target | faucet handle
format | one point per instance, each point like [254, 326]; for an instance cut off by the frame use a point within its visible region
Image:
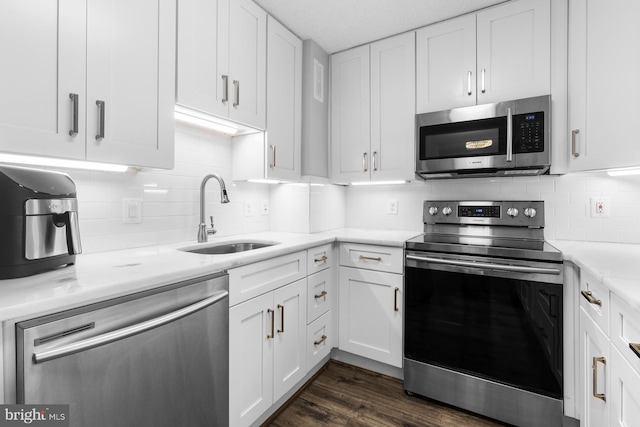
[211, 230]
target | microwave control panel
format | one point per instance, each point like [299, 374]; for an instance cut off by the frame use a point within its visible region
[528, 133]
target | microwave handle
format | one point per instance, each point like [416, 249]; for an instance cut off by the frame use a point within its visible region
[509, 135]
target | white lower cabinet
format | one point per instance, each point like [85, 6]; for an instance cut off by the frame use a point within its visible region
[594, 373]
[319, 339]
[267, 350]
[625, 392]
[370, 314]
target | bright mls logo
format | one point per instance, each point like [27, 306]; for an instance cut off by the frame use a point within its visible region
[34, 415]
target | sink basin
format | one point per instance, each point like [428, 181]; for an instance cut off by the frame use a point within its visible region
[227, 248]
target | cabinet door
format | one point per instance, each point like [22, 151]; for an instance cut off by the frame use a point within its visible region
[594, 373]
[251, 324]
[393, 88]
[247, 63]
[284, 103]
[370, 314]
[514, 51]
[43, 46]
[290, 351]
[603, 88]
[131, 69]
[625, 392]
[203, 56]
[446, 65]
[350, 115]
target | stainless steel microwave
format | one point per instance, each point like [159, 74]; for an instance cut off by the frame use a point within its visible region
[510, 138]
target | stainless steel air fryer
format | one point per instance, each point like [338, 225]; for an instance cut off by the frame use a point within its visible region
[38, 221]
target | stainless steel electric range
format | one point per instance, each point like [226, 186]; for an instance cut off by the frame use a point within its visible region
[483, 311]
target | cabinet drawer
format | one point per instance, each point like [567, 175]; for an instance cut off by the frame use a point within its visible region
[594, 298]
[255, 279]
[319, 258]
[625, 330]
[319, 294]
[319, 339]
[380, 258]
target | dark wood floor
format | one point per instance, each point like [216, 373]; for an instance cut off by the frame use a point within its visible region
[343, 395]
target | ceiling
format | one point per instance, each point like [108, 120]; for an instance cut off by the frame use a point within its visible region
[340, 24]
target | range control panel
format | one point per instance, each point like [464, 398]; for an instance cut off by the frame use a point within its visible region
[508, 213]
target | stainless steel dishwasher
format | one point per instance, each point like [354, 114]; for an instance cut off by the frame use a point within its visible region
[155, 358]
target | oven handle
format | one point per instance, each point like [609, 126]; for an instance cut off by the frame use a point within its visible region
[502, 267]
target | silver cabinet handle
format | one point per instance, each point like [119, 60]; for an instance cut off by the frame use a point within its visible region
[236, 83]
[501, 267]
[597, 395]
[119, 334]
[100, 134]
[273, 156]
[281, 308]
[574, 152]
[395, 299]
[321, 340]
[323, 258]
[375, 161]
[273, 321]
[589, 297]
[225, 88]
[364, 162]
[469, 74]
[368, 258]
[635, 348]
[74, 114]
[509, 135]
[482, 80]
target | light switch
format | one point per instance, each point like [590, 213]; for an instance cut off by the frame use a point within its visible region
[131, 211]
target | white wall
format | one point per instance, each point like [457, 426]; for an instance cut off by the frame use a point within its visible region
[170, 198]
[567, 203]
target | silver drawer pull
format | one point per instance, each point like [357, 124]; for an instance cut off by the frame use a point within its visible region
[321, 340]
[368, 258]
[597, 395]
[74, 114]
[589, 297]
[635, 348]
[323, 258]
[100, 135]
[320, 295]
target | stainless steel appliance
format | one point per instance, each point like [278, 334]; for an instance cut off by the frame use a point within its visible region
[155, 358]
[504, 139]
[38, 221]
[483, 311]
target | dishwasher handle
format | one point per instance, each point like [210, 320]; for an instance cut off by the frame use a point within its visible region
[128, 331]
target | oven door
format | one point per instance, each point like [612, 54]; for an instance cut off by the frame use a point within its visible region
[491, 318]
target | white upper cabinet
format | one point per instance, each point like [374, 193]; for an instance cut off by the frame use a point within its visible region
[284, 103]
[498, 54]
[89, 80]
[446, 64]
[131, 82]
[222, 59]
[603, 84]
[373, 111]
[43, 77]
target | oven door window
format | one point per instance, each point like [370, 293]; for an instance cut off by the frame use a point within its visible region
[504, 330]
[487, 137]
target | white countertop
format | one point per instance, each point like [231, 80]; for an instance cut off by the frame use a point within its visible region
[616, 265]
[100, 276]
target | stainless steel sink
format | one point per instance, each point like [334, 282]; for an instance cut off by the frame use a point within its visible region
[227, 248]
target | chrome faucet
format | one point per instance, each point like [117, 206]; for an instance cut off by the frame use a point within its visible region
[203, 231]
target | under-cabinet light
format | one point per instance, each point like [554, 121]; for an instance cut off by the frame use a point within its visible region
[202, 120]
[380, 182]
[264, 181]
[61, 163]
[624, 172]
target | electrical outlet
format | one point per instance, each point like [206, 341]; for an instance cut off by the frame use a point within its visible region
[131, 211]
[264, 207]
[600, 207]
[392, 207]
[248, 208]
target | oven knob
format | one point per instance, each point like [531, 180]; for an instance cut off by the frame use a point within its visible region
[446, 211]
[433, 210]
[512, 212]
[530, 212]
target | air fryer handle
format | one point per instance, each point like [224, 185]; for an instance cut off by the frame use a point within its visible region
[70, 219]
